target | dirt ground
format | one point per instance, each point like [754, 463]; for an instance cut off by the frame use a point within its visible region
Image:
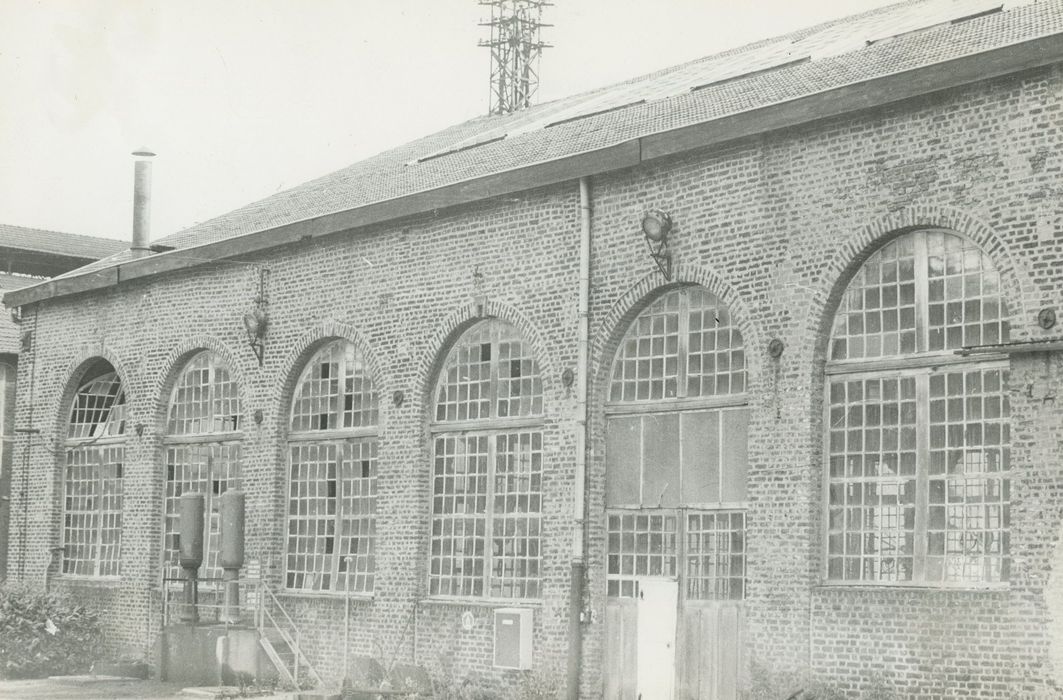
[48, 688]
[99, 688]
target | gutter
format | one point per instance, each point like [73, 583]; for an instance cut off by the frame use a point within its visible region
[833, 102]
[579, 511]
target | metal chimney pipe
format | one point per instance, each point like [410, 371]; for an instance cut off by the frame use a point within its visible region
[141, 202]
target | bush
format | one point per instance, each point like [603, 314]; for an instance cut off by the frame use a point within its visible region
[44, 634]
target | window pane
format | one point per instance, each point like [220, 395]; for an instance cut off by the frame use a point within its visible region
[646, 367]
[623, 444]
[716, 555]
[331, 516]
[335, 391]
[207, 468]
[515, 543]
[466, 391]
[651, 361]
[715, 352]
[872, 482]
[639, 545]
[701, 457]
[92, 479]
[734, 424]
[92, 510]
[963, 286]
[204, 398]
[99, 409]
[660, 461]
[356, 552]
[967, 524]
[876, 317]
[459, 510]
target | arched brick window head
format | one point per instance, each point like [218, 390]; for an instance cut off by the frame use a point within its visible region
[332, 460]
[676, 424]
[202, 444]
[487, 467]
[917, 436]
[92, 477]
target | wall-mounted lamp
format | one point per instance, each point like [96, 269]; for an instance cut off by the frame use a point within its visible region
[656, 225]
[255, 323]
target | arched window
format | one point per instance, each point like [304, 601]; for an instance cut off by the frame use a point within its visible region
[487, 467]
[916, 435]
[332, 474]
[92, 479]
[202, 452]
[676, 423]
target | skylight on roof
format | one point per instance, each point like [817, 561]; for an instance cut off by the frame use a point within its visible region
[463, 146]
[750, 74]
[604, 110]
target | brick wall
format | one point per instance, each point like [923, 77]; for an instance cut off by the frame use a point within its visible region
[773, 225]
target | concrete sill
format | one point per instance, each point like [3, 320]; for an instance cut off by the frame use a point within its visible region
[469, 602]
[333, 596]
[95, 582]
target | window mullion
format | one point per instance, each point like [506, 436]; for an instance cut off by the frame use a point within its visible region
[208, 505]
[209, 417]
[489, 508]
[492, 385]
[682, 346]
[922, 293]
[337, 521]
[97, 554]
[922, 460]
[681, 514]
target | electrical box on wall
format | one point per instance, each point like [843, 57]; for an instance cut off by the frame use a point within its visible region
[513, 638]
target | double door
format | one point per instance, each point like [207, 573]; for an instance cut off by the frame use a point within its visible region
[674, 618]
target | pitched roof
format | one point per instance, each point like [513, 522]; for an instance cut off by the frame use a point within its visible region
[72, 245]
[897, 40]
[9, 332]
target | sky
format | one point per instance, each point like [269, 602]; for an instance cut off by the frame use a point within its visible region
[244, 98]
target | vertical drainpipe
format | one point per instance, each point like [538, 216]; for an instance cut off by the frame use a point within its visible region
[141, 203]
[578, 506]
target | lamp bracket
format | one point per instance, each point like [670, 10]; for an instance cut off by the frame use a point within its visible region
[256, 321]
[662, 256]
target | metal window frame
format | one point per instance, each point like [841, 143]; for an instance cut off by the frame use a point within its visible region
[210, 439]
[102, 442]
[322, 437]
[682, 357]
[492, 426]
[920, 364]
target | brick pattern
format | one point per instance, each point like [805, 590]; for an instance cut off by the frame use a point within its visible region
[774, 227]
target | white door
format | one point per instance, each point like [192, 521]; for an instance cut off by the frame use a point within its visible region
[657, 603]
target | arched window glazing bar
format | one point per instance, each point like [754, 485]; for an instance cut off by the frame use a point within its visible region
[332, 471]
[918, 489]
[92, 477]
[487, 467]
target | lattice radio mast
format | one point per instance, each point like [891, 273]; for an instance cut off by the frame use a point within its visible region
[515, 49]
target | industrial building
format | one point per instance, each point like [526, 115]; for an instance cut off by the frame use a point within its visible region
[27, 256]
[741, 372]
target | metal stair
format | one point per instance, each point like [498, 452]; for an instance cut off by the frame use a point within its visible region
[279, 638]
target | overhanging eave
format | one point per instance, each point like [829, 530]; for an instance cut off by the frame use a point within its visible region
[833, 102]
